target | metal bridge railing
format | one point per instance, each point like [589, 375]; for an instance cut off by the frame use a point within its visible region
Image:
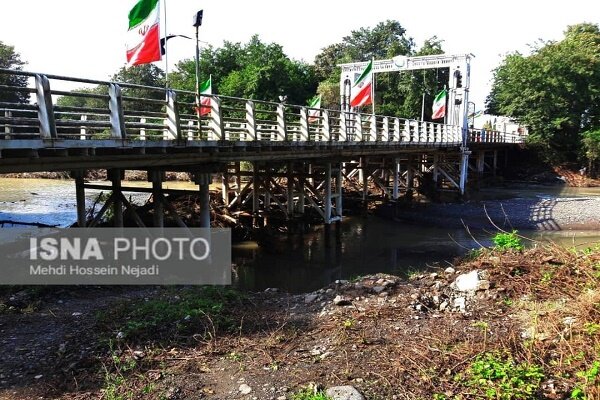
[123, 111]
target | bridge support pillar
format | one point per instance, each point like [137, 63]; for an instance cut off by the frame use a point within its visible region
[116, 176]
[157, 178]
[464, 169]
[410, 174]
[290, 190]
[495, 163]
[255, 194]
[225, 187]
[80, 197]
[480, 162]
[436, 172]
[332, 198]
[363, 177]
[203, 182]
[396, 179]
[301, 196]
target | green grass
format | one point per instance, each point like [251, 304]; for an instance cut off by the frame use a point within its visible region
[494, 376]
[588, 379]
[309, 394]
[179, 311]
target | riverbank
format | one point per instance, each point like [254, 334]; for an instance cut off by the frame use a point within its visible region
[543, 211]
[96, 175]
[517, 324]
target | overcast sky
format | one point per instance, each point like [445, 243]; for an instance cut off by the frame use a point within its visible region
[86, 38]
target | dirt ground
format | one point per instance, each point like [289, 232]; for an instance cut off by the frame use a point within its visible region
[533, 313]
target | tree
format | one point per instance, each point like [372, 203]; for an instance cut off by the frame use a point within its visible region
[397, 94]
[555, 91]
[148, 75]
[9, 59]
[71, 106]
[387, 39]
[253, 70]
[591, 146]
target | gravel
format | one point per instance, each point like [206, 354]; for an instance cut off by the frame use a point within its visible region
[549, 214]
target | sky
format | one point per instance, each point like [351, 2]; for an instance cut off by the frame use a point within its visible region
[85, 38]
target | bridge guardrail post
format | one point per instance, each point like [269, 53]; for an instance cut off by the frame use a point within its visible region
[419, 128]
[427, 132]
[358, 134]
[142, 130]
[373, 129]
[83, 129]
[304, 128]
[385, 130]
[117, 118]
[45, 107]
[190, 130]
[326, 126]
[396, 134]
[173, 121]
[343, 135]
[405, 131]
[251, 120]
[281, 131]
[7, 128]
[216, 119]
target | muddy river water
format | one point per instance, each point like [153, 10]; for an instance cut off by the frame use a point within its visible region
[299, 263]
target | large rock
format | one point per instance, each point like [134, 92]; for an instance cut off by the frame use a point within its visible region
[309, 298]
[467, 282]
[344, 393]
[341, 301]
[245, 389]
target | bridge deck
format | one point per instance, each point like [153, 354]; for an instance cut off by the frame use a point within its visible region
[120, 125]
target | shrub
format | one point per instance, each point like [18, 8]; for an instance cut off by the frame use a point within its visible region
[507, 241]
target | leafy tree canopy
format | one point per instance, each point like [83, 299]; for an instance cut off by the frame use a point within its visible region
[555, 91]
[397, 94]
[9, 59]
[254, 70]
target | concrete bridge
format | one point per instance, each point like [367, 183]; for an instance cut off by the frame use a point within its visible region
[268, 156]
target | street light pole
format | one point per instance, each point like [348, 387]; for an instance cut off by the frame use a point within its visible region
[197, 23]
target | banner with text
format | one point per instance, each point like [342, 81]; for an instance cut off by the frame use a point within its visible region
[115, 256]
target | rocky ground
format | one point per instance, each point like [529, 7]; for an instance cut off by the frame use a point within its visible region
[496, 325]
[551, 213]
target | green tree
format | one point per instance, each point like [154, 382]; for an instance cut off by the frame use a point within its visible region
[397, 94]
[591, 147]
[9, 59]
[387, 39]
[148, 75]
[254, 70]
[73, 105]
[555, 91]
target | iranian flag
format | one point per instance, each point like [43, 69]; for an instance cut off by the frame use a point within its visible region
[205, 88]
[143, 36]
[362, 89]
[439, 105]
[313, 115]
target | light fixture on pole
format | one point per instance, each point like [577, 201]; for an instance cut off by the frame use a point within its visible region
[197, 21]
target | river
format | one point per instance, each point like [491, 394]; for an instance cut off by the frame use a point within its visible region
[363, 245]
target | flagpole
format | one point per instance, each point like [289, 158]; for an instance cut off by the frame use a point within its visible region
[166, 45]
[373, 86]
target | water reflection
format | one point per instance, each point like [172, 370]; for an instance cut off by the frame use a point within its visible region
[359, 246]
[299, 263]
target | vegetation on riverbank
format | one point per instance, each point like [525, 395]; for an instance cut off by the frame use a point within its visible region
[527, 327]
